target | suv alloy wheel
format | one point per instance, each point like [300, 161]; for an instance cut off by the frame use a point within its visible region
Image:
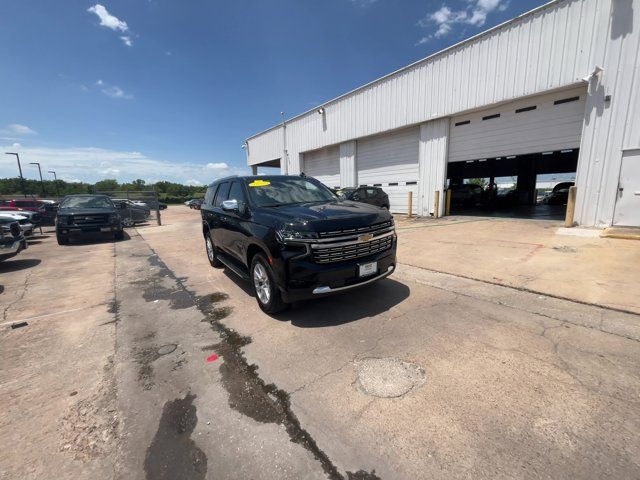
[264, 285]
[211, 251]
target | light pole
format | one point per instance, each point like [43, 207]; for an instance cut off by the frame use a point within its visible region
[20, 170]
[41, 181]
[55, 181]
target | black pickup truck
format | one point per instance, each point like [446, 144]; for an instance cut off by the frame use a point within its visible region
[294, 239]
[87, 214]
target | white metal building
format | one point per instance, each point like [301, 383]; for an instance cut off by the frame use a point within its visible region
[561, 78]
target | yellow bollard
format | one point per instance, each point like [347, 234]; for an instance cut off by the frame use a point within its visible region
[571, 207]
[447, 205]
[436, 207]
[410, 201]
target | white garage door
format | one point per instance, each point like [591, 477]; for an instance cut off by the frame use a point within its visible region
[390, 161]
[324, 165]
[538, 124]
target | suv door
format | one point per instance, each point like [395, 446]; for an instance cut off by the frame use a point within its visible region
[236, 231]
[217, 225]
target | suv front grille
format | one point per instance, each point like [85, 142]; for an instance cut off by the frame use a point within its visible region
[348, 244]
[378, 227]
[350, 250]
[89, 219]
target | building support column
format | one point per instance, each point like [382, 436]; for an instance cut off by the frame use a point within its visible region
[254, 169]
[348, 167]
[432, 165]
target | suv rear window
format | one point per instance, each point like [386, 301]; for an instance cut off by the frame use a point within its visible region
[222, 194]
[208, 197]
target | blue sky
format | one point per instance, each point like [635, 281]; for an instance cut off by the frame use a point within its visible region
[169, 90]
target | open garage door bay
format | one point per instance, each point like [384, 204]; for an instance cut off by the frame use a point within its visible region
[390, 161]
[520, 157]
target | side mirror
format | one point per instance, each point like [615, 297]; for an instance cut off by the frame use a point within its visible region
[230, 206]
[342, 196]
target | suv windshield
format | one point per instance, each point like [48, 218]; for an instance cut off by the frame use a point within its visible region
[86, 202]
[273, 192]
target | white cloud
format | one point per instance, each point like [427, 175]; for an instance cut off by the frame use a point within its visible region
[108, 20]
[364, 3]
[115, 91]
[112, 22]
[445, 19]
[193, 183]
[17, 129]
[16, 144]
[217, 166]
[91, 164]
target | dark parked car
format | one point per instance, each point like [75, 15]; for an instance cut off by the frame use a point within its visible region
[87, 214]
[559, 195]
[12, 240]
[466, 195]
[371, 195]
[197, 203]
[294, 239]
[130, 212]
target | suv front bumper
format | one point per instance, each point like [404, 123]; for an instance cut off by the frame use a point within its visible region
[306, 279]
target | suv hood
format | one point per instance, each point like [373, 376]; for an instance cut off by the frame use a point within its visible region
[328, 216]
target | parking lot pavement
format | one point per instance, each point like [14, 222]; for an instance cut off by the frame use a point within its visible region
[56, 373]
[432, 375]
[526, 254]
[139, 360]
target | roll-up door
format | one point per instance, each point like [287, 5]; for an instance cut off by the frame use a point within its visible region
[391, 162]
[536, 124]
[324, 165]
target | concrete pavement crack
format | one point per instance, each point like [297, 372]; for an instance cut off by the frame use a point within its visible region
[248, 393]
[533, 312]
[521, 289]
[23, 293]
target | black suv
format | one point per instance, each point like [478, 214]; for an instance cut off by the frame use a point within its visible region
[294, 239]
[371, 195]
[87, 214]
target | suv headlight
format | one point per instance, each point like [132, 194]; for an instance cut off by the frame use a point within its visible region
[288, 235]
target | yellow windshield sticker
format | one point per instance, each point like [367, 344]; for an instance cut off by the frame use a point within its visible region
[259, 183]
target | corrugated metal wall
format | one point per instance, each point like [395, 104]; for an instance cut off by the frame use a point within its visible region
[610, 126]
[434, 138]
[550, 48]
[547, 49]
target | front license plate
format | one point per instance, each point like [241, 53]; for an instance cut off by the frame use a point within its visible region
[367, 269]
[105, 229]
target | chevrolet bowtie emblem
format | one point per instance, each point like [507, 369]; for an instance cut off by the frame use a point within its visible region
[366, 237]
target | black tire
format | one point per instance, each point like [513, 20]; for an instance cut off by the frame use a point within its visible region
[128, 222]
[264, 285]
[210, 248]
[62, 239]
[119, 235]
